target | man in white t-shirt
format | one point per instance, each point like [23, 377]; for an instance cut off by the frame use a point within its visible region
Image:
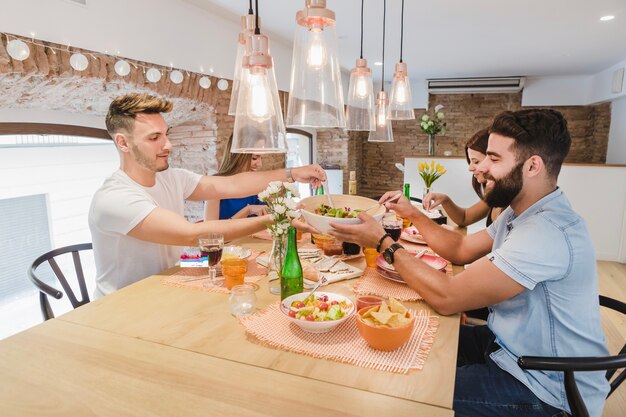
[136, 217]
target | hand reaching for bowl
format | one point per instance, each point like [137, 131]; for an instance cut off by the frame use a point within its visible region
[396, 201]
[366, 234]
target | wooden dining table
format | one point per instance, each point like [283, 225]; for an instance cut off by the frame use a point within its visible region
[158, 350]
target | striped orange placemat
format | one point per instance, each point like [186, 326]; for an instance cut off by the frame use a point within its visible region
[372, 283]
[344, 343]
[184, 276]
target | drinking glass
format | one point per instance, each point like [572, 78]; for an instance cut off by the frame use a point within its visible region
[393, 226]
[234, 271]
[211, 246]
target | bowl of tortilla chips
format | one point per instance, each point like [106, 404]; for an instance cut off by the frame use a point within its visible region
[387, 326]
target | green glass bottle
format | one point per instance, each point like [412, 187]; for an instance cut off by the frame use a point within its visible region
[291, 279]
[319, 190]
[407, 191]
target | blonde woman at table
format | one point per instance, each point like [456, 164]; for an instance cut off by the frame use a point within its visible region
[534, 266]
[137, 218]
[475, 152]
[236, 208]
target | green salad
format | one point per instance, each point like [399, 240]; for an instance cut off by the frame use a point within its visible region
[337, 212]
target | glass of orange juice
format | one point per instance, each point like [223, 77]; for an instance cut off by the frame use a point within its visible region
[234, 270]
[370, 256]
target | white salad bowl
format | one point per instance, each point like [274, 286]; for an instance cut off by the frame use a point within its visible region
[316, 326]
[352, 202]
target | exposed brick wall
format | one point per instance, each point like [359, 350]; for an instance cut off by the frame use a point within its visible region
[466, 114]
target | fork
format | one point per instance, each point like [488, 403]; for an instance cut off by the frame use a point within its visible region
[323, 280]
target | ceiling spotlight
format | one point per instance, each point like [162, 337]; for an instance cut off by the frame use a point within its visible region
[205, 82]
[18, 49]
[607, 18]
[378, 63]
[122, 68]
[79, 62]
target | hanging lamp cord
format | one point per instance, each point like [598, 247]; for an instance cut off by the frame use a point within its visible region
[402, 30]
[257, 31]
[362, 3]
[250, 10]
[382, 87]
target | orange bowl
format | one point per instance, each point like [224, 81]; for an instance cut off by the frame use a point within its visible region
[384, 338]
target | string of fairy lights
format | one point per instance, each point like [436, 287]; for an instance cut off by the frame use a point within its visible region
[18, 49]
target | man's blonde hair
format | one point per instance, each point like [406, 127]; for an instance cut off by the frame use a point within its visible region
[124, 109]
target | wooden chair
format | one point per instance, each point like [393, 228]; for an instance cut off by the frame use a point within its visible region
[582, 364]
[46, 290]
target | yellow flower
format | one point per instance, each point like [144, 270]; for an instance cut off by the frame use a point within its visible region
[440, 169]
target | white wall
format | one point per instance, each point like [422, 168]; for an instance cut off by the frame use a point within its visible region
[597, 193]
[50, 116]
[616, 152]
[557, 91]
[165, 32]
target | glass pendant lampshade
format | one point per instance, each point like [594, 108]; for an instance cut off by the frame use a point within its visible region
[383, 132]
[401, 101]
[315, 93]
[360, 110]
[247, 29]
[259, 128]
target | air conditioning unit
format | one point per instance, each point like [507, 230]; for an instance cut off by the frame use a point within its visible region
[476, 85]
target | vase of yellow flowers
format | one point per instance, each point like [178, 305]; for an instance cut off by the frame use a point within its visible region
[429, 173]
[432, 125]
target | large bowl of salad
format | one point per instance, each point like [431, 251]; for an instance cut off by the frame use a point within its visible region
[318, 313]
[318, 213]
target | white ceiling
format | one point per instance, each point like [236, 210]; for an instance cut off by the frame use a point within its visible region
[464, 38]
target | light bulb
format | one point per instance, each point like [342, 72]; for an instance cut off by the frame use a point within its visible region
[361, 87]
[381, 118]
[259, 106]
[316, 55]
[401, 95]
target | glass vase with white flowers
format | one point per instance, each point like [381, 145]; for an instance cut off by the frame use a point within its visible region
[433, 125]
[278, 196]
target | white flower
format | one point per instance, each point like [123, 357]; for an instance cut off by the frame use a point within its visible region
[440, 115]
[430, 123]
[292, 188]
[438, 107]
[290, 203]
[279, 209]
[273, 188]
[425, 118]
[284, 225]
[294, 214]
[279, 231]
[263, 195]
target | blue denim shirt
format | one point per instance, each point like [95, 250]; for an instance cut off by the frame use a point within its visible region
[548, 250]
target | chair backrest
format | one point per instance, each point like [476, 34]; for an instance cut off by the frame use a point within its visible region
[46, 290]
[610, 364]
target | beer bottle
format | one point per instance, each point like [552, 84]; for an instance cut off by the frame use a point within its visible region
[291, 281]
[320, 190]
[407, 191]
[352, 183]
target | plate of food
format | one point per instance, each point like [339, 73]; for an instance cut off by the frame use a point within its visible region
[411, 234]
[317, 313]
[434, 261]
[317, 211]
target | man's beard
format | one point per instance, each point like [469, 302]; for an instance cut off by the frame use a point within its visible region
[145, 162]
[504, 190]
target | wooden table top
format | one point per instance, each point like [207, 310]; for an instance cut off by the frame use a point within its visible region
[162, 340]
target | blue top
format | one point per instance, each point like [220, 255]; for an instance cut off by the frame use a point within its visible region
[230, 206]
[548, 250]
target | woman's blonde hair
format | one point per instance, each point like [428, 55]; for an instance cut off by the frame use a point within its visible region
[234, 163]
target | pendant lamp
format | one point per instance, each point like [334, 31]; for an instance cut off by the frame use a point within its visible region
[315, 92]
[383, 132]
[401, 101]
[360, 109]
[247, 29]
[259, 128]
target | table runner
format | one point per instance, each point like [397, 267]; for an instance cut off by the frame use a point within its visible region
[255, 273]
[270, 327]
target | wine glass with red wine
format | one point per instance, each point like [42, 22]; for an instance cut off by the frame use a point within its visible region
[211, 246]
[393, 226]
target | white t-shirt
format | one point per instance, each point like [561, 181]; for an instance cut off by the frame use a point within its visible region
[117, 207]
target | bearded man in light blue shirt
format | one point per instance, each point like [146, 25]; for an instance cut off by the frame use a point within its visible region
[534, 268]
